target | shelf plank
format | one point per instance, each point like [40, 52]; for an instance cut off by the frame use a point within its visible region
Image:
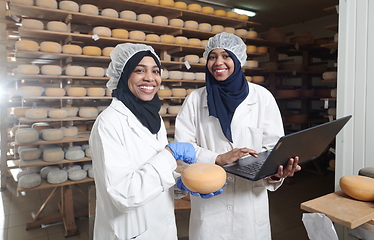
[45, 185]
[332, 45]
[66, 97]
[333, 27]
[40, 77]
[331, 9]
[27, 120]
[79, 138]
[39, 162]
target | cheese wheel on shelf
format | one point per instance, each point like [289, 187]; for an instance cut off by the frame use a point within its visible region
[164, 74]
[95, 92]
[52, 134]
[330, 75]
[251, 49]
[46, 3]
[202, 60]
[28, 69]
[53, 154]
[95, 71]
[252, 34]
[90, 172]
[89, 9]
[109, 12]
[191, 58]
[220, 12]
[77, 175]
[51, 70]
[57, 177]
[251, 63]
[57, 113]
[205, 27]
[180, 5]
[191, 24]
[217, 28]
[153, 38]
[51, 47]
[27, 45]
[262, 50]
[241, 32]
[137, 35]
[174, 109]
[207, 10]
[72, 49]
[55, 92]
[358, 187]
[248, 78]
[91, 51]
[176, 22]
[75, 71]
[166, 38]
[24, 172]
[200, 76]
[69, 6]
[24, 2]
[331, 111]
[47, 169]
[188, 76]
[102, 31]
[145, 18]
[176, 75]
[107, 50]
[181, 40]
[26, 135]
[32, 24]
[120, 33]
[243, 17]
[30, 154]
[30, 91]
[204, 42]
[334, 92]
[74, 154]
[194, 42]
[101, 108]
[29, 181]
[229, 30]
[20, 111]
[168, 3]
[152, 1]
[190, 90]
[258, 79]
[162, 20]
[57, 26]
[88, 112]
[164, 93]
[129, 15]
[108, 92]
[72, 111]
[194, 7]
[76, 91]
[35, 113]
[231, 14]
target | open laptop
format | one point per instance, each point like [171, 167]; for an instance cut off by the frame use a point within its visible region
[308, 144]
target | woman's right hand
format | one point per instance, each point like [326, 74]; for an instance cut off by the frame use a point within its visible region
[234, 155]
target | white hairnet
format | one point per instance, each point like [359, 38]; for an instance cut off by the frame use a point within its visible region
[229, 42]
[120, 55]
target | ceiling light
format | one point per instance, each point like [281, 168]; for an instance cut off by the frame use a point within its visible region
[242, 11]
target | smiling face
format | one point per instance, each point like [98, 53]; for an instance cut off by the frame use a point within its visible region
[220, 64]
[145, 80]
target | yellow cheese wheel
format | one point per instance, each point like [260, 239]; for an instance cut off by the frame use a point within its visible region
[102, 32]
[89, 9]
[54, 92]
[251, 49]
[204, 42]
[262, 50]
[153, 38]
[220, 12]
[145, 18]
[194, 7]
[243, 17]
[180, 5]
[176, 75]
[95, 71]
[95, 92]
[249, 78]
[241, 32]
[178, 92]
[35, 113]
[202, 60]
[176, 22]
[120, 33]
[207, 10]
[108, 92]
[107, 50]
[194, 42]
[217, 28]
[76, 91]
[168, 3]
[191, 24]
[162, 20]
[174, 109]
[164, 74]
[32, 24]
[72, 49]
[46, 3]
[251, 64]
[57, 113]
[200, 76]
[258, 79]
[51, 70]
[91, 51]
[181, 40]
[51, 47]
[164, 93]
[205, 27]
[203, 177]
[192, 58]
[69, 6]
[75, 71]
[252, 34]
[28, 69]
[127, 14]
[20, 111]
[152, 1]
[137, 35]
[232, 14]
[24, 2]
[109, 12]
[27, 45]
[358, 187]
[57, 26]
[30, 91]
[88, 112]
[188, 76]
[166, 38]
[230, 30]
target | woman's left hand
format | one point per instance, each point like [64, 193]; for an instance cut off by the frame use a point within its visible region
[289, 170]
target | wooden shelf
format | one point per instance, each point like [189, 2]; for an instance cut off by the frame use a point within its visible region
[332, 45]
[38, 163]
[331, 9]
[60, 77]
[78, 138]
[27, 120]
[45, 184]
[333, 27]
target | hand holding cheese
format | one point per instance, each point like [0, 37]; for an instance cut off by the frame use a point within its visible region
[182, 187]
[183, 151]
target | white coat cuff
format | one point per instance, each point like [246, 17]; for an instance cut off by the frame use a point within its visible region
[206, 156]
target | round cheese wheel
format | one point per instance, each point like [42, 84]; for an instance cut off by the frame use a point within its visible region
[81, 127]
[252, 34]
[153, 38]
[162, 20]
[188, 76]
[243, 17]
[88, 112]
[120, 33]
[30, 91]
[91, 51]
[74, 154]
[194, 42]
[178, 92]
[166, 38]
[57, 26]
[181, 40]
[95, 71]
[168, 3]
[54, 92]
[47, 169]
[20, 111]
[57, 177]
[89, 9]
[230, 30]
[180, 5]
[30, 154]
[330, 75]
[52, 134]
[262, 50]
[176, 22]
[24, 2]
[251, 49]
[102, 31]
[251, 63]
[101, 108]
[207, 10]
[39, 126]
[331, 111]
[164, 93]
[86, 166]
[72, 111]
[24, 172]
[194, 7]
[109, 12]
[30, 181]
[248, 78]
[35, 113]
[176, 75]
[258, 79]
[26, 135]
[203, 177]
[200, 76]
[164, 74]
[129, 15]
[69, 6]
[334, 93]
[145, 18]
[75, 71]
[191, 24]
[51, 47]
[231, 14]
[205, 27]
[217, 28]
[202, 60]
[32, 24]
[152, 1]
[137, 35]
[76, 91]
[174, 109]
[95, 92]
[77, 175]
[204, 42]
[57, 113]
[51, 70]
[28, 69]
[72, 49]
[53, 154]
[27, 45]
[358, 187]
[241, 32]
[192, 58]
[46, 3]
[107, 50]
[220, 12]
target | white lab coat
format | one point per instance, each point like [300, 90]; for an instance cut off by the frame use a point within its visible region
[134, 178]
[241, 211]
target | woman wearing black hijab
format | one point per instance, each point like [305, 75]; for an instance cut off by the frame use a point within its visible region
[132, 160]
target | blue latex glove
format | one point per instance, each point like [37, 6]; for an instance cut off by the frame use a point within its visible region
[182, 187]
[183, 151]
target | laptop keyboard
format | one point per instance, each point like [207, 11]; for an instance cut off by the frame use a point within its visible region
[252, 168]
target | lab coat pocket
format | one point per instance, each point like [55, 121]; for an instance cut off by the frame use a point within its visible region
[253, 138]
[261, 206]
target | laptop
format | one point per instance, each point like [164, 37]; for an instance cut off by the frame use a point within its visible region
[308, 144]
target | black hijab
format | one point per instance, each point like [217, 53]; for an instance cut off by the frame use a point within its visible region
[145, 111]
[225, 96]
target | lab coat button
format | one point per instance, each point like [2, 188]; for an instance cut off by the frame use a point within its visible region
[229, 208]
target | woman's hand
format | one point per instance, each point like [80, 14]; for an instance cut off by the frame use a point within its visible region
[288, 171]
[234, 155]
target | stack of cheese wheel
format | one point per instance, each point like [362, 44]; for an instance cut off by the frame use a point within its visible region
[53, 70]
[166, 38]
[95, 71]
[88, 112]
[252, 34]
[220, 12]
[168, 3]
[91, 51]
[129, 15]
[52, 47]
[194, 7]
[69, 6]
[203, 178]
[102, 31]
[89, 9]
[191, 24]
[57, 26]
[52, 134]
[153, 38]
[75, 71]
[175, 22]
[217, 28]
[230, 30]
[162, 20]
[26, 135]
[27, 45]
[28, 69]
[36, 113]
[107, 50]
[194, 42]
[32, 24]
[72, 49]
[47, 4]
[181, 40]
[358, 187]
[145, 18]
[137, 35]
[232, 14]
[95, 92]
[180, 5]
[120, 33]
[30, 91]
[24, 2]
[207, 10]
[76, 91]
[109, 12]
